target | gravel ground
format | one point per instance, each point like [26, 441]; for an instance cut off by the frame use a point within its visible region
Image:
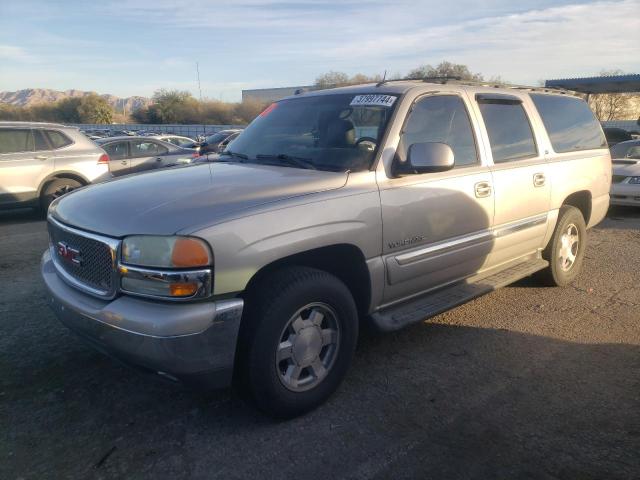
[526, 382]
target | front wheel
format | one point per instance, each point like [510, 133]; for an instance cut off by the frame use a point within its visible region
[299, 340]
[565, 252]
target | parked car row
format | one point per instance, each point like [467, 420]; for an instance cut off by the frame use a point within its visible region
[41, 161]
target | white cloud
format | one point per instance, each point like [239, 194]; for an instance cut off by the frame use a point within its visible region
[568, 40]
[13, 53]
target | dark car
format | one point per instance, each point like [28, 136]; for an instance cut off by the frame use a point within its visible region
[616, 135]
[218, 141]
[137, 154]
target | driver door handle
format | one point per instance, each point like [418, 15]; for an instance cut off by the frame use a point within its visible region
[483, 189]
[539, 180]
[41, 157]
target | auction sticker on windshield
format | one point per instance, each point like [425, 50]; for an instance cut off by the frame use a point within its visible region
[373, 100]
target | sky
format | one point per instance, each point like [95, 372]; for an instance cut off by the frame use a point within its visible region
[135, 47]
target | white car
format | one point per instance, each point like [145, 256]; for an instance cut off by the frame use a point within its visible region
[625, 183]
[184, 142]
[40, 162]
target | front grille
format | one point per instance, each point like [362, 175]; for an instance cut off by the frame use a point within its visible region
[618, 178]
[92, 261]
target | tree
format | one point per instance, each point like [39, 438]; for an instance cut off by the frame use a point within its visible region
[94, 109]
[332, 79]
[65, 110]
[445, 69]
[172, 106]
[610, 106]
[246, 111]
[340, 79]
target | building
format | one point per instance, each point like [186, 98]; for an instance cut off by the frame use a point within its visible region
[267, 95]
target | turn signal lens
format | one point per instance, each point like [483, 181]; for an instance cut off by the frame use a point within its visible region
[182, 289]
[189, 252]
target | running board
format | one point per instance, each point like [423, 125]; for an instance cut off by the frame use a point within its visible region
[421, 308]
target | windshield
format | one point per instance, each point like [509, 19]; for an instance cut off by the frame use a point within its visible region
[326, 132]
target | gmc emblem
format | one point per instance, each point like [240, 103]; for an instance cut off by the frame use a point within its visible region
[69, 254]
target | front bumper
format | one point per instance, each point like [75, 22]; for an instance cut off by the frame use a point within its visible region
[193, 343]
[625, 194]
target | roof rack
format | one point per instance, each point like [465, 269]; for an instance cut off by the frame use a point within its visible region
[479, 83]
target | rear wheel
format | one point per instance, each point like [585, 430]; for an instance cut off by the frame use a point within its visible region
[565, 252]
[56, 188]
[298, 340]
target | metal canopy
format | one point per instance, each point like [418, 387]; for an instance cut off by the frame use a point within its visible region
[611, 84]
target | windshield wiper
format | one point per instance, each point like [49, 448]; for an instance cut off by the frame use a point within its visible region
[280, 158]
[241, 156]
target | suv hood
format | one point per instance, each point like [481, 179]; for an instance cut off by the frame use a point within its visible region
[167, 201]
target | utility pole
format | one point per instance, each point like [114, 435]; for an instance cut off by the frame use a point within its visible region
[198, 74]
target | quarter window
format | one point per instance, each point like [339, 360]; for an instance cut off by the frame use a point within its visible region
[441, 119]
[509, 131]
[15, 140]
[58, 139]
[570, 123]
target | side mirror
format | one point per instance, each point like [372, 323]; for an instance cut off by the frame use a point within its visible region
[430, 157]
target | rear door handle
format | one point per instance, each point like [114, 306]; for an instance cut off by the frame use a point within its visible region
[483, 189]
[539, 180]
[41, 157]
[123, 162]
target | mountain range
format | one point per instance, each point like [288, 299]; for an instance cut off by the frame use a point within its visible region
[33, 96]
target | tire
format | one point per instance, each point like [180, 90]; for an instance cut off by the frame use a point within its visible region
[282, 319]
[55, 189]
[565, 257]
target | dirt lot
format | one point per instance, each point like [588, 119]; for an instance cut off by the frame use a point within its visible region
[526, 382]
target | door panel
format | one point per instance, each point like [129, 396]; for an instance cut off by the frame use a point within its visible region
[520, 175]
[21, 168]
[435, 231]
[436, 226]
[146, 155]
[119, 163]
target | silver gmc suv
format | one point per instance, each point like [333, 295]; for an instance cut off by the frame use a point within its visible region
[380, 204]
[41, 161]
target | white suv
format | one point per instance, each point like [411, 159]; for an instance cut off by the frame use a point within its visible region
[41, 161]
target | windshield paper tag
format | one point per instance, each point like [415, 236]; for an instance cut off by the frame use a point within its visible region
[377, 100]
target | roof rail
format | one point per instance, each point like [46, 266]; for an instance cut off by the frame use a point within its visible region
[480, 83]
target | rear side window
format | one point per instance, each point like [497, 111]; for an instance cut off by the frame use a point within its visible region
[570, 123]
[509, 130]
[116, 150]
[58, 139]
[39, 140]
[146, 149]
[15, 140]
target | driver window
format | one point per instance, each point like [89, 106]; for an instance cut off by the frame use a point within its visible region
[442, 119]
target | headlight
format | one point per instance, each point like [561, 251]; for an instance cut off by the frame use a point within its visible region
[165, 252]
[166, 267]
[634, 180]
